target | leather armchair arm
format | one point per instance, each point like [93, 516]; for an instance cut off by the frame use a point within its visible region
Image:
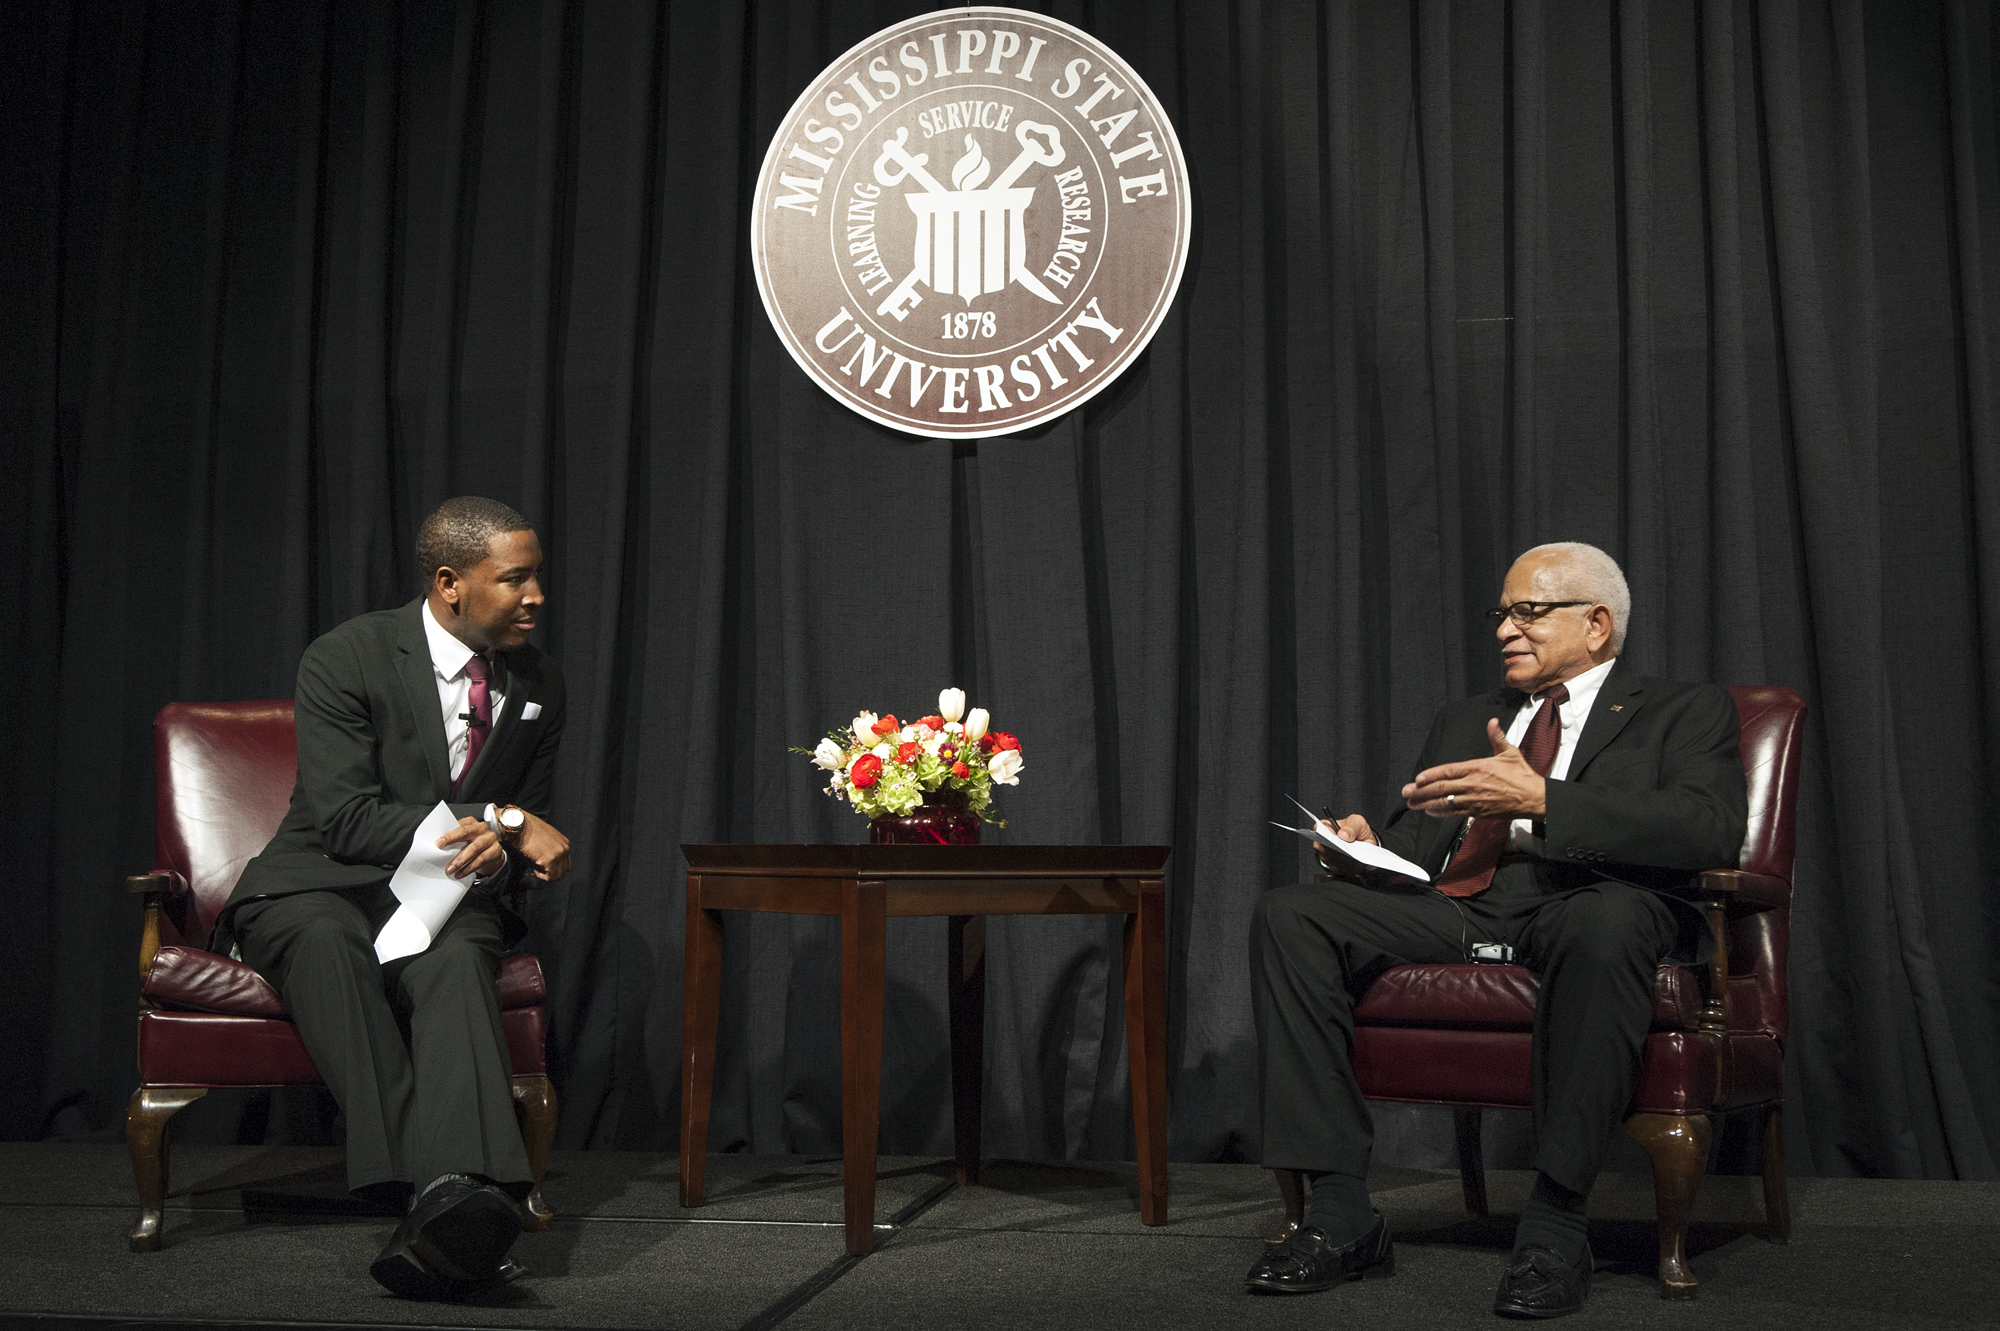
[155, 887]
[1745, 891]
[1720, 892]
[1717, 890]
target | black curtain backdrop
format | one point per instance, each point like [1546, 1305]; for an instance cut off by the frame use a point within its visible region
[1711, 284]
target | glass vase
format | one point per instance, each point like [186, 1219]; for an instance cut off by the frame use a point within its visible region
[943, 819]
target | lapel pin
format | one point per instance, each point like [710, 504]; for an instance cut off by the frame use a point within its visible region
[1618, 707]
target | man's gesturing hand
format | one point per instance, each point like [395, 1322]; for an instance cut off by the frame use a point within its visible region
[1501, 786]
[545, 848]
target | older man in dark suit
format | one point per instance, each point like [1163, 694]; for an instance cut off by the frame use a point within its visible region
[1565, 813]
[443, 700]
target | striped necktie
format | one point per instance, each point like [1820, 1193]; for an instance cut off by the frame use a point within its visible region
[480, 723]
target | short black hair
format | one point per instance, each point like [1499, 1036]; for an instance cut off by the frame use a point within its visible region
[458, 531]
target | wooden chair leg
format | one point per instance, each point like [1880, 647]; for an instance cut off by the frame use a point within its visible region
[536, 1096]
[1678, 1146]
[146, 1138]
[1291, 1187]
[1777, 1201]
[1471, 1159]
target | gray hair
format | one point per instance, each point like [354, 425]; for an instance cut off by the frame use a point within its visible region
[1579, 572]
[458, 532]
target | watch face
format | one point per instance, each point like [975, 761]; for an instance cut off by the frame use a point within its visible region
[513, 819]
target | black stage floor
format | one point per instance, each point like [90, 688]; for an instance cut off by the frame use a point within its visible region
[1034, 1245]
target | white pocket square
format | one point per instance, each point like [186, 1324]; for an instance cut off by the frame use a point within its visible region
[530, 710]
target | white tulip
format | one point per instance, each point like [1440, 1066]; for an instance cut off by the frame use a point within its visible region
[1005, 767]
[864, 727]
[953, 728]
[830, 756]
[975, 724]
[951, 704]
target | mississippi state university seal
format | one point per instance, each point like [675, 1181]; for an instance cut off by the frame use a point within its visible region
[971, 222]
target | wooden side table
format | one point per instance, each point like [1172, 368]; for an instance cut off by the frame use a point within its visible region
[864, 886]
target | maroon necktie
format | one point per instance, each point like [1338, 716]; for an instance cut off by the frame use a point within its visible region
[1471, 870]
[481, 721]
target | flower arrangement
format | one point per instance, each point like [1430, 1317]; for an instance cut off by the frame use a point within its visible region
[882, 766]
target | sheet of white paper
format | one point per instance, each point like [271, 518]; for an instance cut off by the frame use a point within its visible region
[428, 896]
[1362, 852]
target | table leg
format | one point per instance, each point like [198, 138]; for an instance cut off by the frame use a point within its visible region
[966, 950]
[701, 995]
[1146, 1043]
[862, 916]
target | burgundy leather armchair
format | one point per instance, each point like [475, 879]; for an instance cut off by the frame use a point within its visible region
[1459, 1034]
[224, 774]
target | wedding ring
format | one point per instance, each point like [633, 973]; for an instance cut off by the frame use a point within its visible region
[1451, 801]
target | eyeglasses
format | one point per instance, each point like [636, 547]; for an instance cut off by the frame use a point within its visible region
[1524, 613]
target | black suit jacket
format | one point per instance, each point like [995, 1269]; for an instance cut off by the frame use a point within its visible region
[1654, 793]
[373, 761]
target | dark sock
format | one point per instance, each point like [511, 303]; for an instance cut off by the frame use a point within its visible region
[1339, 1207]
[1554, 1218]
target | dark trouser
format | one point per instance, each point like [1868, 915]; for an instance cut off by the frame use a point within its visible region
[413, 1051]
[1316, 947]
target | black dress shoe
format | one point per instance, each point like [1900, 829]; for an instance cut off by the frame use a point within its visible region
[508, 1272]
[1307, 1263]
[404, 1275]
[1539, 1283]
[453, 1241]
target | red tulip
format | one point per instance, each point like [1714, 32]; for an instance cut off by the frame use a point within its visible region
[865, 772]
[960, 770]
[907, 753]
[929, 722]
[1003, 741]
[887, 724]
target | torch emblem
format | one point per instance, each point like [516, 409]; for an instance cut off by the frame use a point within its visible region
[970, 240]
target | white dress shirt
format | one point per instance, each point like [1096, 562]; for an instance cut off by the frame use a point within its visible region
[448, 658]
[1575, 711]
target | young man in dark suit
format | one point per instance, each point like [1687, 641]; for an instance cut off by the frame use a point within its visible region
[443, 699]
[1566, 811]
